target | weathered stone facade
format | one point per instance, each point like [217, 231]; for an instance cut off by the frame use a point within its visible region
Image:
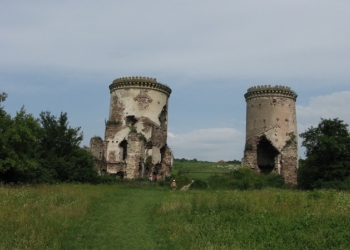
[135, 144]
[97, 149]
[271, 131]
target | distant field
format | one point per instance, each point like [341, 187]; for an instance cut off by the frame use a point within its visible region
[143, 215]
[201, 169]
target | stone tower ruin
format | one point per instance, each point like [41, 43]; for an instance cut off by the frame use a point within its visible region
[271, 131]
[135, 143]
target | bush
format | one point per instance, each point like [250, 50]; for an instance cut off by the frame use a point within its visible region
[274, 180]
[199, 184]
[245, 179]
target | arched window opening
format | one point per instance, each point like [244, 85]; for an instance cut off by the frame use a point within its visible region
[123, 150]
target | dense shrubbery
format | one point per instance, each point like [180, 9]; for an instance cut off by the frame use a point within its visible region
[244, 179]
[42, 150]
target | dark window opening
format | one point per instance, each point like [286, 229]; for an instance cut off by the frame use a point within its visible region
[141, 168]
[162, 153]
[131, 120]
[163, 116]
[123, 149]
[148, 171]
[157, 168]
[266, 154]
[120, 174]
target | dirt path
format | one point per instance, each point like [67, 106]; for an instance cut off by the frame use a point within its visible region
[121, 220]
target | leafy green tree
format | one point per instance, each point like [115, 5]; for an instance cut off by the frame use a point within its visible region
[19, 144]
[42, 150]
[328, 156]
[5, 124]
[61, 155]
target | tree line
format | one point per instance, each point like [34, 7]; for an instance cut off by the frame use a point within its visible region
[44, 149]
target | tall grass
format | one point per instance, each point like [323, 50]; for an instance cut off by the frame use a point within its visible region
[146, 216]
[268, 219]
[35, 217]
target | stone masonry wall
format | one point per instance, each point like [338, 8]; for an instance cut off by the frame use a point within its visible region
[271, 131]
[137, 127]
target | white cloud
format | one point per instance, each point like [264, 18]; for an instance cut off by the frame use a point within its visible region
[211, 144]
[335, 105]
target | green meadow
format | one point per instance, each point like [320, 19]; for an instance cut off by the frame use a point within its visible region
[201, 169]
[143, 215]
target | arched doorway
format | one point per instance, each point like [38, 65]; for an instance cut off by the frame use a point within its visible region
[266, 154]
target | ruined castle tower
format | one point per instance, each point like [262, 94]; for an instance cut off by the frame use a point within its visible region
[135, 144]
[271, 131]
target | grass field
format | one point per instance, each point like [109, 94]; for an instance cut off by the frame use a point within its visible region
[141, 215]
[200, 169]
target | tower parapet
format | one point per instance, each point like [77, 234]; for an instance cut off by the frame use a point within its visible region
[268, 91]
[139, 82]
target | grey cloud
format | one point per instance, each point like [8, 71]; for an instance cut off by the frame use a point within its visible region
[245, 39]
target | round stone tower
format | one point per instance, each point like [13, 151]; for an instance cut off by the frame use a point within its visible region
[271, 131]
[136, 131]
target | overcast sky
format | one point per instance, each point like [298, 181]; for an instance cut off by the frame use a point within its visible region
[62, 56]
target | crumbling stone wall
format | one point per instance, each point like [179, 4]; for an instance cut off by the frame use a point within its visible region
[135, 157]
[167, 160]
[97, 149]
[271, 131]
[135, 142]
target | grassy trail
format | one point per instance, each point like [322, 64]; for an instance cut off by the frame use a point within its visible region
[142, 216]
[120, 220]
